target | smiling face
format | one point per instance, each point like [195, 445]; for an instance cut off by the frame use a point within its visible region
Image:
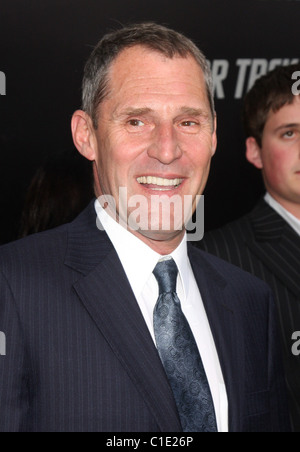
[155, 136]
[279, 156]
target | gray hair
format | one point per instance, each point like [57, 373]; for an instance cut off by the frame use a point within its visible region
[155, 37]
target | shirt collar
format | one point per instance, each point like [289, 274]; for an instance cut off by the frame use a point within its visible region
[180, 256]
[138, 259]
[285, 214]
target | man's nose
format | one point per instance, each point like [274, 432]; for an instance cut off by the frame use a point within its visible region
[165, 146]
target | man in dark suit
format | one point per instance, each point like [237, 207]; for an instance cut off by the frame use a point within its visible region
[266, 242]
[115, 322]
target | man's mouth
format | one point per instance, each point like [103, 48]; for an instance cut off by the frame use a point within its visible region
[159, 183]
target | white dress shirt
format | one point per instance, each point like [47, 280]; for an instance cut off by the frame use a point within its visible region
[139, 261]
[293, 221]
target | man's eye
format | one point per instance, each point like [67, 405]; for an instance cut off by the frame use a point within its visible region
[188, 124]
[136, 123]
[289, 134]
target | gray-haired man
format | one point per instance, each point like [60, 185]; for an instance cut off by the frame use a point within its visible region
[130, 328]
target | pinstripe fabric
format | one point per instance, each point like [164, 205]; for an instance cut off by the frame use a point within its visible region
[263, 244]
[80, 356]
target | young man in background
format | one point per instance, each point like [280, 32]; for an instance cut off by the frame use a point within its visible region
[266, 242]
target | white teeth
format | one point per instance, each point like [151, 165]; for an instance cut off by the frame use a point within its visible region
[159, 181]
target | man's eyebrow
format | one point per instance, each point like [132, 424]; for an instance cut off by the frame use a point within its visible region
[287, 126]
[135, 111]
[190, 111]
[193, 111]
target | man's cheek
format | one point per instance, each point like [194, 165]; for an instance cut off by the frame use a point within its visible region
[274, 167]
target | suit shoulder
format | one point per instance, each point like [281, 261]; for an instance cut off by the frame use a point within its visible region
[229, 272]
[229, 241]
[37, 248]
[235, 231]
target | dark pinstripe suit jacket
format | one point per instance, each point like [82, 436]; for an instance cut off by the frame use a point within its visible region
[80, 356]
[263, 244]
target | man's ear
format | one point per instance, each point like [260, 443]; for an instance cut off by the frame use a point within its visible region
[215, 138]
[253, 153]
[83, 135]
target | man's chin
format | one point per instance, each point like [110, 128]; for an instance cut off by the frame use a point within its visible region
[159, 236]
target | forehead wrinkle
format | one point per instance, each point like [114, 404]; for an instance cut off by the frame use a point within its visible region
[152, 88]
[142, 79]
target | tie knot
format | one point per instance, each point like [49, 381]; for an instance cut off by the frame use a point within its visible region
[166, 273]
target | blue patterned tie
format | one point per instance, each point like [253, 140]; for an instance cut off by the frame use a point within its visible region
[180, 355]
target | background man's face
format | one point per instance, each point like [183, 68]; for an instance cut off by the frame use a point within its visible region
[155, 133]
[280, 153]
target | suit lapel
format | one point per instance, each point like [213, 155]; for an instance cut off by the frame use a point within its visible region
[106, 294]
[277, 245]
[220, 309]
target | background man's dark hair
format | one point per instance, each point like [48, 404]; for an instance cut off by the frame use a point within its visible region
[270, 93]
[150, 35]
[60, 189]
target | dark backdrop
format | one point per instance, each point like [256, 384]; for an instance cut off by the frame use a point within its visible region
[43, 47]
